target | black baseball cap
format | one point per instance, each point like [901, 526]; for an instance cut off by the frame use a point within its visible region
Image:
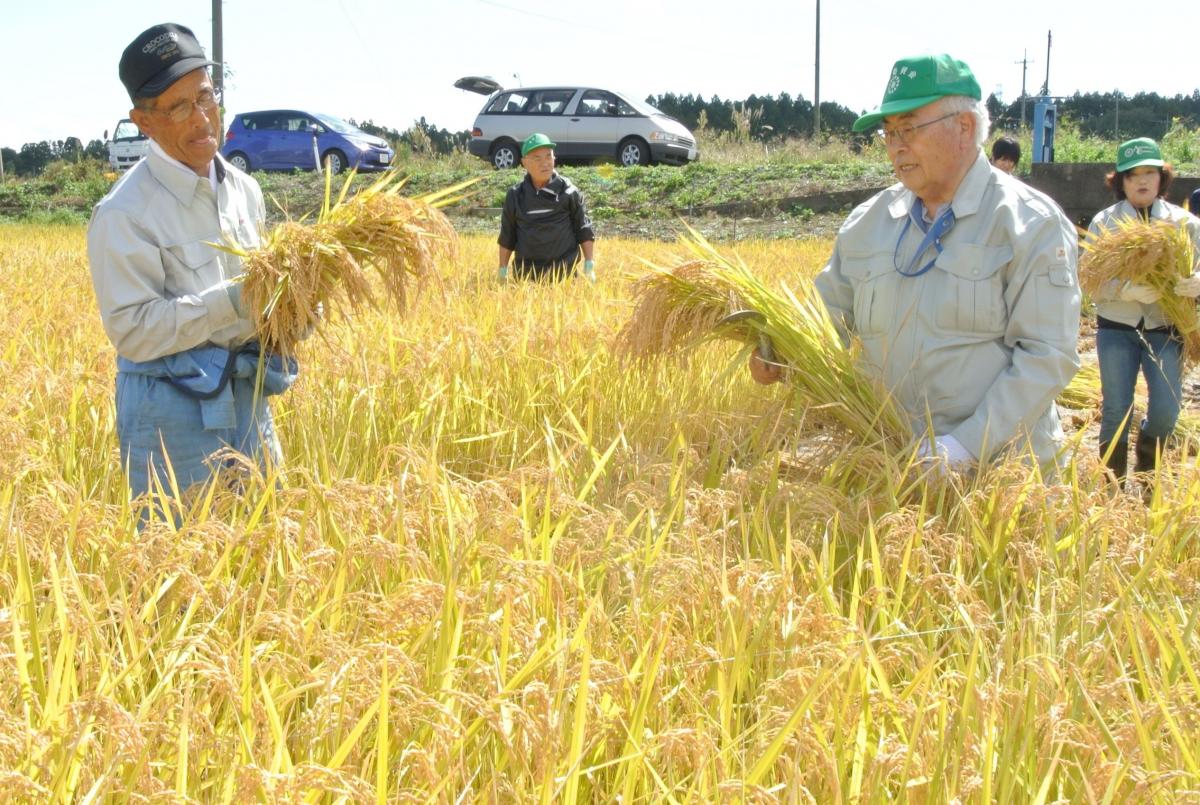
[158, 57]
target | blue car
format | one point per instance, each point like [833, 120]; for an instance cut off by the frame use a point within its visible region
[282, 139]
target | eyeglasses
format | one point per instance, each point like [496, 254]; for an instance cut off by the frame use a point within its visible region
[181, 111]
[904, 134]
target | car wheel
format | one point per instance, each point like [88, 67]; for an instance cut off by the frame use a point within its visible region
[336, 160]
[504, 155]
[633, 151]
[239, 160]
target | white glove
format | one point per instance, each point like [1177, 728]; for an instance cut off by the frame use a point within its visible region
[1188, 286]
[946, 451]
[1136, 292]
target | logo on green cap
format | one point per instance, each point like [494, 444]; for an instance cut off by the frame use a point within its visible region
[920, 80]
[536, 140]
[1135, 153]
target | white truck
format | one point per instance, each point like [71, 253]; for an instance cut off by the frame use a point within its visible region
[127, 145]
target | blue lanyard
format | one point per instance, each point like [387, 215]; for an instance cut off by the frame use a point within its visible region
[933, 237]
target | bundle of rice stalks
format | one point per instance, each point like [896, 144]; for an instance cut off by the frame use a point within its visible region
[679, 308]
[302, 269]
[1083, 392]
[1154, 253]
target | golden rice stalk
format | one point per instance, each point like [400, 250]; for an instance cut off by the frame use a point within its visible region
[301, 269]
[680, 307]
[1155, 253]
[1083, 392]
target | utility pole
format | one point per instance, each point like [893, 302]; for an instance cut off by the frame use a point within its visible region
[1024, 62]
[1046, 86]
[218, 56]
[817, 89]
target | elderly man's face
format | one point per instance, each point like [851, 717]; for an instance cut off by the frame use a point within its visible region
[540, 164]
[931, 150]
[185, 121]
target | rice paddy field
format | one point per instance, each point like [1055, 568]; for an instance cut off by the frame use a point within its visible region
[504, 564]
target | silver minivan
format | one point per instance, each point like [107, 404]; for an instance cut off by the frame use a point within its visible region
[586, 123]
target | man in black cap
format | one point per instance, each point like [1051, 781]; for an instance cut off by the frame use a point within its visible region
[169, 300]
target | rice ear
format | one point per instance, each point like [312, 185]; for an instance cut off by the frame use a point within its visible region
[680, 307]
[1156, 253]
[373, 246]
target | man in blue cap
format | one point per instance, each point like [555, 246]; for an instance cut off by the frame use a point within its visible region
[187, 362]
[960, 281]
[544, 220]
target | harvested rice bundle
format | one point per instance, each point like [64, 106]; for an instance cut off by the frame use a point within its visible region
[303, 268]
[1154, 253]
[1083, 392]
[689, 304]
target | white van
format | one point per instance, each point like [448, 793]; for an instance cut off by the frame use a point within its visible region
[127, 145]
[586, 123]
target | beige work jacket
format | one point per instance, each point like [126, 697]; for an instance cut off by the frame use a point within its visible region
[161, 286]
[983, 342]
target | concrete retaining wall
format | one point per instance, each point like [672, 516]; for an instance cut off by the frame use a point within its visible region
[1079, 187]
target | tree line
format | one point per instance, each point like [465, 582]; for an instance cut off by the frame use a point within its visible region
[1107, 114]
[763, 117]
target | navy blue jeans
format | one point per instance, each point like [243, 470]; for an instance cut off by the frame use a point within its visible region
[1122, 353]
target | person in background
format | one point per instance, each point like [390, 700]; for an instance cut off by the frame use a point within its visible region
[1194, 202]
[544, 221]
[959, 280]
[1006, 154]
[169, 300]
[1132, 331]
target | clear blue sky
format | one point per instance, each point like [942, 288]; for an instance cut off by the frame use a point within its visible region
[392, 62]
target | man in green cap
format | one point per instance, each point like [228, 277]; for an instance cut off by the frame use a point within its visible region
[544, 220]
[960, 280]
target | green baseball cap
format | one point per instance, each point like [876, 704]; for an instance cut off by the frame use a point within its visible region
[536, 140]
[1135, 153]
[920, 80]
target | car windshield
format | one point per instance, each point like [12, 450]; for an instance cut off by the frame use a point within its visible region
[126, 130]
[339, 125]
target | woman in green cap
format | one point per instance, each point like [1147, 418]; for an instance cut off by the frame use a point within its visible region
[1132, 330]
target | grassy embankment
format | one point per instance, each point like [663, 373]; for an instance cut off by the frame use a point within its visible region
[500, 565]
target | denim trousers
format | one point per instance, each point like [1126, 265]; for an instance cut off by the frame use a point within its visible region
[1122, 353]
[156, 422]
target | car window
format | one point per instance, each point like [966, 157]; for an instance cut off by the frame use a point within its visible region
[509, 102]
[549, 101]
[295, 122]
[261, 122]
[601, 103]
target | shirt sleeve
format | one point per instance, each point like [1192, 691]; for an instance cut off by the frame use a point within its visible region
[508, 221]
[581, 222]
[838, 295]
[1042, 295]
[142, 322]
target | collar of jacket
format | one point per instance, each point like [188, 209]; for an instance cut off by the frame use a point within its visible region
[554, 186]
[967, 197]
[1157, 210]
[177, 182]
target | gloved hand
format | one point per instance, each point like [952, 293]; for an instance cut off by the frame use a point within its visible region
[1188, 286]
[946, 452]
[1136, 292]
[502, 274]
[589, 270]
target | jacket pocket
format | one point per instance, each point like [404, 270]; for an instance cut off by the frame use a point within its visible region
[186, 266]
[970, 296]
[869, 274]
